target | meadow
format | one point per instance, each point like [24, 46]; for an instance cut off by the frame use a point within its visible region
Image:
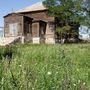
[45, 67]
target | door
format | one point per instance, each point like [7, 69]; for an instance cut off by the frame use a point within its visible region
[13, 29]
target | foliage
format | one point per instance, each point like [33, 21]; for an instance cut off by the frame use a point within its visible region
[64, 29]
[0, 53]
[7, 52]
[86, 8]
[47, 67]
[65, 9]
[69, 11]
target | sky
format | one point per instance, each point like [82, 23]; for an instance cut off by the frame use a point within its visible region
[7, 6]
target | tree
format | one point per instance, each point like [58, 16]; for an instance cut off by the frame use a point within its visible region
[86, 8]
[69, 14]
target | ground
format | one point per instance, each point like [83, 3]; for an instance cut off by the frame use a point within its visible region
[46, 67]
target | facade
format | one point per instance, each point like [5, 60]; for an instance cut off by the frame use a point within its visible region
[32, 23]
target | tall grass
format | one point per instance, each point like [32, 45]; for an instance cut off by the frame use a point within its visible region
[46, 67]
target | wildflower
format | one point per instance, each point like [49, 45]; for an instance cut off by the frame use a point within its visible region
[77, 69]
[79, 81]
[56, 72]
[74, 84]
[84, 83]
[32, 88]
[49, 73]
[20, 65]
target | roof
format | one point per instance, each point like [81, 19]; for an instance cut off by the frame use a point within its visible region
[35, 7]
[13, 13]
[37, 20]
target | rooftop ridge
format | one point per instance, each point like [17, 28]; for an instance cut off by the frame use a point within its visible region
[35, 7]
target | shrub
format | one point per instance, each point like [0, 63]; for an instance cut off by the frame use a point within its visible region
[7, 52]
[0, 53]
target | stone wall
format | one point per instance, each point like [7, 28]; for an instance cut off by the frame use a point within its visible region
[13, 18]
[50, 33]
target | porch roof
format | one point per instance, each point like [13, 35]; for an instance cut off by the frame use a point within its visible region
[38, 21]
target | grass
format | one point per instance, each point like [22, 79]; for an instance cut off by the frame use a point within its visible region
[46, 67]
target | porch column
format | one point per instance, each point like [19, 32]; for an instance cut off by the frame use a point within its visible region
[50, 30]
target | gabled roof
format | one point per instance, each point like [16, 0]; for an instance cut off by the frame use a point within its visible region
[35, 7]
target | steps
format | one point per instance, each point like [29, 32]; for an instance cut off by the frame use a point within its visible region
[8, 40]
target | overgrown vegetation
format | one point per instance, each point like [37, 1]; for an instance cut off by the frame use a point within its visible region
[46, 67]
[7, 51]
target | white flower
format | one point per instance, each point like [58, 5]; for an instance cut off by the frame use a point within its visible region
[32, 88]
[79, 81]
[77, 69]
[84, 83]
[74, 84]
[49, 73]
[20, 65]
[56, 72]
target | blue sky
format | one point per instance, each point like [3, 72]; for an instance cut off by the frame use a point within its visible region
[6, 6]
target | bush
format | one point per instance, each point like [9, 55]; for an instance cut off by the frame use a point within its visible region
[7, 52]
[1, 53]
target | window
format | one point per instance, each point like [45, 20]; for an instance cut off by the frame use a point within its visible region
[13, 28]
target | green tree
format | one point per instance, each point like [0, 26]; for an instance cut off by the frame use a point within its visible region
[69, 14]
[86, 8]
